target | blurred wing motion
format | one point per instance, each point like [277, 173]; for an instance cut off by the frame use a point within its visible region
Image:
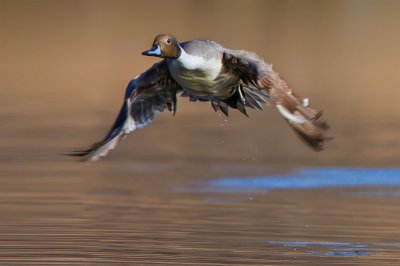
[257, 78]
[150, 92]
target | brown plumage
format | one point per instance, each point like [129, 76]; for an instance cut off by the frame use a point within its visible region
[259, 77]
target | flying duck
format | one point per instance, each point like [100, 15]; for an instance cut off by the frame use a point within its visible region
[206, 71]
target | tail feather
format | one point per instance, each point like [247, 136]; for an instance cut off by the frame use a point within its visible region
[306, 122]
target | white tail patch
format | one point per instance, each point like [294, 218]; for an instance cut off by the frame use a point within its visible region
[306, 102]
[289, 116]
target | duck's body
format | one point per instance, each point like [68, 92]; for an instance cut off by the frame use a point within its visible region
[205, 70]
[199, 71]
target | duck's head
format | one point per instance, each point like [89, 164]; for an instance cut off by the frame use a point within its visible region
[164, 46]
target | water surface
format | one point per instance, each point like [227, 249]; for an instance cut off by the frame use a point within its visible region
[197, 188]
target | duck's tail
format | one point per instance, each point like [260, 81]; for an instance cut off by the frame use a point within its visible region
[306, 122]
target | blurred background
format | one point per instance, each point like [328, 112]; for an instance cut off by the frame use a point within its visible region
[64, 66]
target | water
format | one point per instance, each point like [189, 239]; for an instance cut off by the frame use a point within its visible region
[149, 214]
[196, 189]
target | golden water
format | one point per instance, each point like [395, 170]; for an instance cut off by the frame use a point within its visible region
[63, 69]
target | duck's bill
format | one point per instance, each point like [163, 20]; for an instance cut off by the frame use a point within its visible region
[154, 51]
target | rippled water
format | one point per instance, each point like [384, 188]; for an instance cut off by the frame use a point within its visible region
[148, 214]
[198, 189]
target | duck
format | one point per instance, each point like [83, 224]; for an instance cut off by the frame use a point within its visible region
[204, 70]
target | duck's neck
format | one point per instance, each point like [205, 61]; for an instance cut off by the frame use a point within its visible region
[188, 61]
[180, 53]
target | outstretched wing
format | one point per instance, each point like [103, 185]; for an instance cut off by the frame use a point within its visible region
[257, 78]
[151, 92]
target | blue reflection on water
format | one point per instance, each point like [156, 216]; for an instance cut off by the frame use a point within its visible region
[322, 243]
[335, 248]
[311, 178]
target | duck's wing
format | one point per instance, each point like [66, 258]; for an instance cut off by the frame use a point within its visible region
[151, 92]
[258, 79]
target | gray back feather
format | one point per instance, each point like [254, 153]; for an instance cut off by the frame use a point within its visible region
[205, 48]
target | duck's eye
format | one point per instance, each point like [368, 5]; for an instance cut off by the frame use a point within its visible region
[169, 41]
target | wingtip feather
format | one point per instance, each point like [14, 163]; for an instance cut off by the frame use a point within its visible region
[98, 150]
